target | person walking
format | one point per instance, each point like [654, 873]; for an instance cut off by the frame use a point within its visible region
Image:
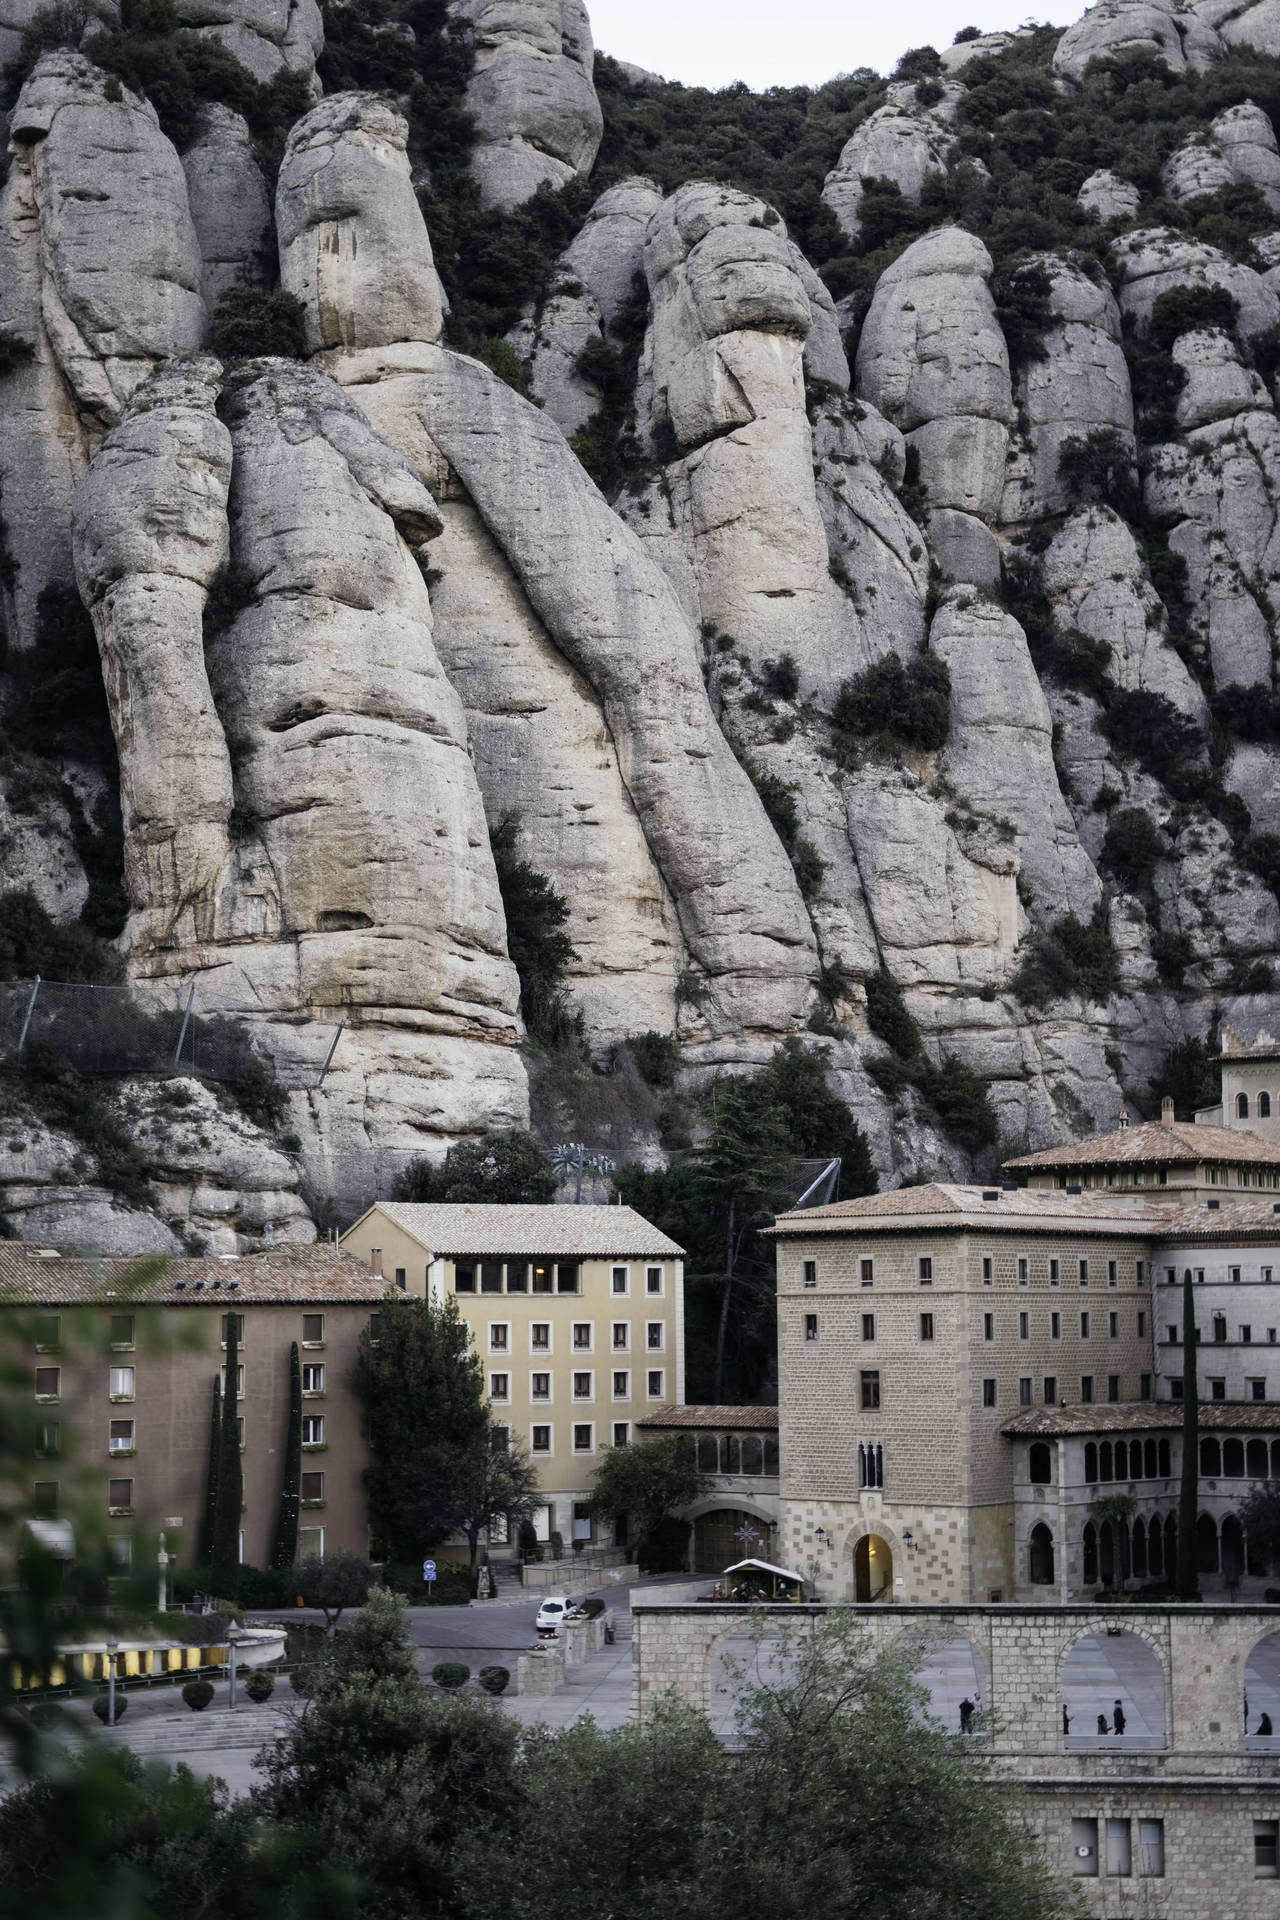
[966, 1714]
[1066, 1719]
[1117, 1718]
[1264, 1725]
[1102, 1724]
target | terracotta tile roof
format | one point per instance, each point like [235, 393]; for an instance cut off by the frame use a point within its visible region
[1145, 1416]
[1234, 1219]
[320, 1274]
[584, 1232]
[719, 1417]
[943, 1204]
[1150, 1144]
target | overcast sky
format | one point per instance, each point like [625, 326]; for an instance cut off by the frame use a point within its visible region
[777, 43]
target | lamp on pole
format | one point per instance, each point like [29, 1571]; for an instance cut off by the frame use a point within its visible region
[113, 1648]
[233, 1638]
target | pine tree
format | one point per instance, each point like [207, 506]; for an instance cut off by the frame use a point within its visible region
[285, 1550]
[1189, 1501]
[224, 1569]
[209, 1522]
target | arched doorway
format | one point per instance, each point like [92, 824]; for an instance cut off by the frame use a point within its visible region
[872, 1569]
[1262, 1695]
[1101, 1669]
[1041, 1556]
[728, 1534]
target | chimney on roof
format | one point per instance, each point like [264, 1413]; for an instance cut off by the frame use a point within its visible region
[1166, 1111]
[1124, 1117]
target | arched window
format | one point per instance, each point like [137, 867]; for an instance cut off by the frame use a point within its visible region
[1210, 1459]
[1232, 1552]
[1155, 1549]
[1206, 1544]
[1233, 1459]
[1090, 1554]
[1166, 1457]
[1264, 1106]
[752, 1453]
[1091, 1462]
[1149, 1468]
[1107, 1554]
[1122, 1461]
[1139, 1550]
[709, 1453]
[1219, 1329]
[1040, 1464]
[1170, 1543]
[729, 1453]
[1257, 1460]
[1041, 1555]
[1106, 1458]
[1242, 1106]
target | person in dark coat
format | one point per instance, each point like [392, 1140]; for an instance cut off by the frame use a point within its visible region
[1102, 1724]
[1066, 1719]
[966, 1714]
[1117, 1718]
[1264, 1724]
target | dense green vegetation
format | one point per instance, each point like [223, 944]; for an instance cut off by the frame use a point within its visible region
[504, 1167]
[248, 321]
[899, 704]
[541, 951]
[1075, 957]
[958, 1096]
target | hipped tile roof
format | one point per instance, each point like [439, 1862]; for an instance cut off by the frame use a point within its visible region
[942, 1204]
[316, 1275]
[573, 1232]
[1145, 1416]
[764, 1418]
[1151, 1143]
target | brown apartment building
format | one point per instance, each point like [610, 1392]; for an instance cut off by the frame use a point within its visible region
[122, 1365]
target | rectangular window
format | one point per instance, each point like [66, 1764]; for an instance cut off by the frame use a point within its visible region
[44, 1498]
[1217, 1389]
[567, 1277]
[48, 1332]
[622, 1384]
[655, 1335]
[517, 1276]
[1257, 1389]
[1151, 1849]
[584, 1386]
[988, 1392]
[1086, 1389]
[1137, 1272]
[924, 1267]
[313, 1429]
[621, 1335]
[1266, 1849]
[1024, 1326]
[542, 1278]
[121, 1329]
[1051, 1389]
[313, 1377]
[310, 1543]
[870, 1383]
[810, 1273]
[622, 1433]
[122, 1382]
[866, 1272]
[312, 1488]
[48, 1383]
[464, 1279]
[1119, 1849]
[656, 1387]
[120, 1496]
[312, 1329]
[988, 1326]
[375, 1328]
[926, 1326]
[1170, 1276]
[49, 1440]
[1084, 1848]
[1113, 1387]
[988, 1269]
[499, 1386]
[1266, 1276]
[868, 1326]
[1084, 1326]
[1234, 1275]
[1024, 1390]
[120, 1436]
[620, 1279]
[1055, 1272]
[1142, 1324]
[1084, 1273]
[540, 1440]
[1024, 1271]
[1175, 1389]
[1246, 1336]
[239, 1320]
[539, 1386]
[222, 1376]
[811, 1326]
[653, 1279]
[1144, 1386]
[582, 1336]
[584, 1440]
[1055, 1326]
[499, 1333]
[540, 1336]
[1113, 1326]
[1112, 1273]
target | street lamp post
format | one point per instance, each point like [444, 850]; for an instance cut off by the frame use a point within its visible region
[162, 1562]
[233, 1637]
[113, 1648]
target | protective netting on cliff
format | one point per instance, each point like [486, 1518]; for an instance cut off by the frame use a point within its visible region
[147, 1027]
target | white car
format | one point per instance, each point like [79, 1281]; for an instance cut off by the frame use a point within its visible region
[552, 1612]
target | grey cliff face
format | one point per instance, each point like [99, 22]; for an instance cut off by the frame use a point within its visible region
[266, 36]
[536, 113]
[230, 206]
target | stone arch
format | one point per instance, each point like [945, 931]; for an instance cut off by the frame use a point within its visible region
[745, 1511]
[1040, 1556]
[1264, 1106]
[846, 1547]
[1102, 1664]
[1262, 1693]
[1242, 1106]
[1206, 1544]
[954, 1666]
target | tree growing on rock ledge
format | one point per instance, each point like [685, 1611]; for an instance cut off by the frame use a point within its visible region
[505, 1167]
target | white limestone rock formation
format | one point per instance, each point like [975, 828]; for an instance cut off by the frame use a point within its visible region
[38, 850]
[1105, 194]
[353, 245]
[1241, 23]
[897, 142]
[17, 15]
[1152, 260]
[1080, 385]
[266, 36]
[230, 206]
[1218, 384]
[932, 357]
[550, 347]
[1173, 34]
[535, 108]
[607, 252]
[1239, 146]
[957, 57]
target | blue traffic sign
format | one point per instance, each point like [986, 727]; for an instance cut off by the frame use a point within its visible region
[428, 1570]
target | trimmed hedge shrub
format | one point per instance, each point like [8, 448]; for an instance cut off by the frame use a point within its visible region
[101, 1706]
[494, 1680]
[593, 1606]
[260, 1684]
[198, 1694]
[449, 1675]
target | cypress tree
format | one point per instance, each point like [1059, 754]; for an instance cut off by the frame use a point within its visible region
[224, 1570]
[285, 1550]
[1189, 1498]
[209, 1521]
